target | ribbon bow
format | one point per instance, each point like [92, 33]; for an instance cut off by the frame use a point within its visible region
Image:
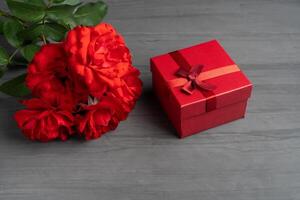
[192, 80]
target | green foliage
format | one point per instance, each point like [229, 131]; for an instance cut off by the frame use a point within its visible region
[34, 2]
[15, 87]
[63, 14]
[3, 57]
[29, 51]
[1, 27]
[58, 1]
[3, 68]
[52, 31]
[90, 14]
[32, 23]
[71, 2]
[30, 12]
[11, 28]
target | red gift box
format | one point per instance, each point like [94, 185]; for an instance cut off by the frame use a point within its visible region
[200, 87]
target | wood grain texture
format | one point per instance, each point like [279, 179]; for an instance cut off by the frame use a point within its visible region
[254, 158]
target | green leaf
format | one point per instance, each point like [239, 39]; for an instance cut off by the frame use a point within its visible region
[4, 58]
[15, 87]
[72, 2]
[11, 28]
[3, 68]
[31, 33]
[35, 2]
[26, 11]
[29, 51]
[1, 27]
[53, 31]
[90, 14]
[62, 14]
[19, 61]
[58, 1]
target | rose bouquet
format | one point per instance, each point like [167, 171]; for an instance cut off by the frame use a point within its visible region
[83, 86]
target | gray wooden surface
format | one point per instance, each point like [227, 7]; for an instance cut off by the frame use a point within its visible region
[254, 158]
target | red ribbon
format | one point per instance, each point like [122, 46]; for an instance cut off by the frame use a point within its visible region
[190, 73]
[192, 81]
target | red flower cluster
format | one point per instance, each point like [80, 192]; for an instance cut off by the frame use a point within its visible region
[85, 85]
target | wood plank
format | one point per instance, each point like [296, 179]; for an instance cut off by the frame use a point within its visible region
[254, 158]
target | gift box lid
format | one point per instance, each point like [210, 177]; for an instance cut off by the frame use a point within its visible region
[219, 70]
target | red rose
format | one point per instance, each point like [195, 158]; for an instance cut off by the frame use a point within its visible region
[48, 71]
[97, 118]
[129, 92]
[43, 122]
[99, 56]
[47, 75]
[89, 77]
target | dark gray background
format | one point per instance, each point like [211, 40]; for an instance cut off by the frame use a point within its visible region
[254, 158]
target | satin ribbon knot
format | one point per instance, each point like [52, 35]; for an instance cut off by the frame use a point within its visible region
[193, 80]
